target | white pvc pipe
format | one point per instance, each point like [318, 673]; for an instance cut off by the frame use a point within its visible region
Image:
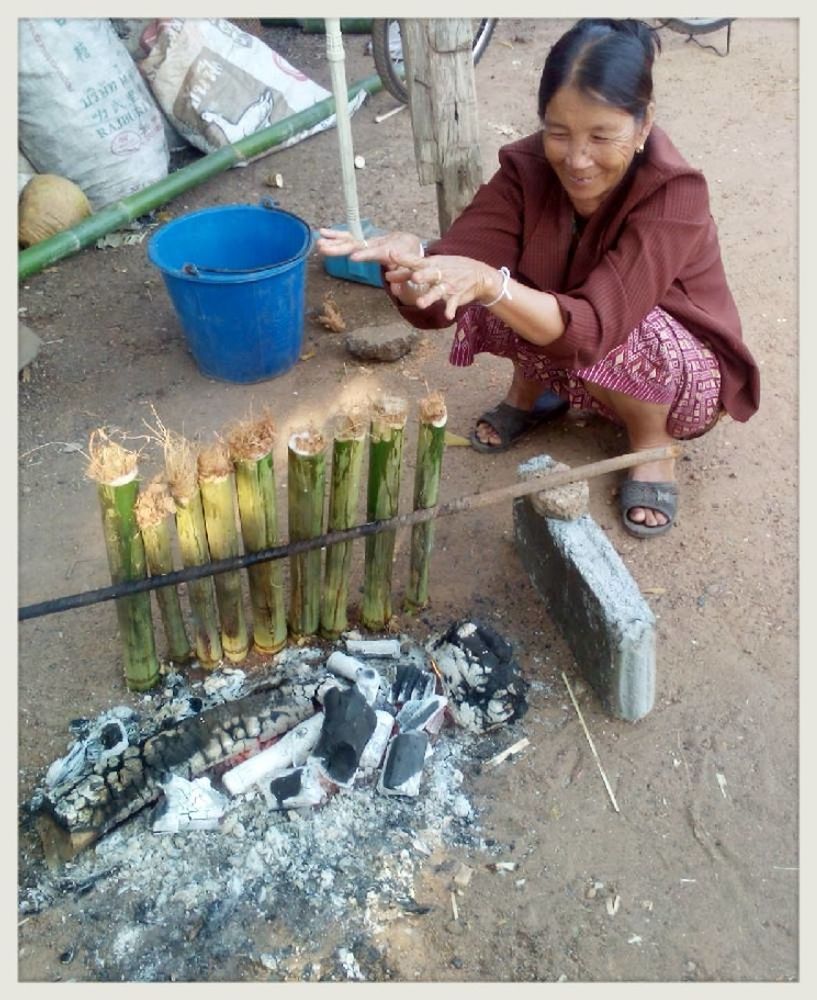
[337, 60]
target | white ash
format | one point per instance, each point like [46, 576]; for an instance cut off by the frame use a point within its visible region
[184, 904]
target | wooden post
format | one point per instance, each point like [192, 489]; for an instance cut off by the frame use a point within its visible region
[443, 104]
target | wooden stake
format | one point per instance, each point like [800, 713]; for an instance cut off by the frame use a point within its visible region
[385, 457]
[305, 493]
[347, 463]
[430, 449]
[217, 484]
[154, 508]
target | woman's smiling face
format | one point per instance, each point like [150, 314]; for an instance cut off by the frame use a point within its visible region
[590, 145]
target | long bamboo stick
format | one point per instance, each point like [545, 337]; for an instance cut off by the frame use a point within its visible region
[217, 485]
[111, 217]
[383, 493]
[251, 444]
[430, 449]
[154, 509]
[114, 469]
[474, 501]
[347, 464]
[306, 485]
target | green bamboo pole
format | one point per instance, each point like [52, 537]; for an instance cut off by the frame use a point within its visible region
[383, 490]
[430, 449]
[347, 463]
[217, 485]
[251, 445]
[180, 466]
[111, 217]
[114, 470]
[154, 508]
[306, 485]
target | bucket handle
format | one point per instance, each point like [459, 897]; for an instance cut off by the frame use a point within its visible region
[194, 270]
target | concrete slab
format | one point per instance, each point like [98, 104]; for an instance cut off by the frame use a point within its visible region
[594, 600]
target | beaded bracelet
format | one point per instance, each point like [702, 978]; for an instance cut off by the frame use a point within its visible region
[504, 293]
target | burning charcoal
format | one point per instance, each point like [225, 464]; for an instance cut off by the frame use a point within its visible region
[344, 666]
[412, 683]
[188, 805]
[481, 678]
[302, 786]
[403, 767]
[376, 747]
[426, 713]
[368, 683]
[107, 736]
[348, 723]
[387, 648]
[291, 750]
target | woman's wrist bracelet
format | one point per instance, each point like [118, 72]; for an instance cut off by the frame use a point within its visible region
[504, 291]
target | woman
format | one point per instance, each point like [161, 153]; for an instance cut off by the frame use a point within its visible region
[591, 260]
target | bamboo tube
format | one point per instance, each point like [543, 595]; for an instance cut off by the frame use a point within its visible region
[217, 485]
[430, 449]
[305, 490]
[251, 443]
[114, 470]
[180, 468]
[154, 508]
[383, 490]
[347, 463]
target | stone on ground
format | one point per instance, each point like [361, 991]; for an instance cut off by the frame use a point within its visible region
[382, 343]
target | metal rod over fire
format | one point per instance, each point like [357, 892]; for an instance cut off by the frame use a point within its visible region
[474, 501]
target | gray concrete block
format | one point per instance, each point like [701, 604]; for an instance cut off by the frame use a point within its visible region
[594, 600]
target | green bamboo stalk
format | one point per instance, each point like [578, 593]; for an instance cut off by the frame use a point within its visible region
[193, 546]
[111, 217]
[430, 449]
[383, 490]
[255, 485]
[217, 485]
[114, 470]
[154, 508]
[347, 463]
[306, 486]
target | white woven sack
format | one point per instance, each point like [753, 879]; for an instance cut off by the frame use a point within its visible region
[218, 84]
[84, 112]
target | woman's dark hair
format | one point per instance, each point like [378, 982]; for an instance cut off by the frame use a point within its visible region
[607, 59]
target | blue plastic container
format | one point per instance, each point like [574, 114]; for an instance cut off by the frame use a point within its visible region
[236, 275]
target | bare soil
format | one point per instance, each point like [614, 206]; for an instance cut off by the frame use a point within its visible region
[703, 857]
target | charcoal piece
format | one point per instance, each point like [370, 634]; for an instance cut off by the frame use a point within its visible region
[410, 682]
[287, 786]
[348, 724]
[423, 713]
[404, 764]
[481, 679]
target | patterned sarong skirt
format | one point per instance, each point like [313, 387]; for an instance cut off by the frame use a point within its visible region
[660, 362]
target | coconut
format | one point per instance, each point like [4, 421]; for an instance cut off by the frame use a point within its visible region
[48, 205]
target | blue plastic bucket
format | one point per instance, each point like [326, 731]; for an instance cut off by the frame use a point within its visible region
[236, 275]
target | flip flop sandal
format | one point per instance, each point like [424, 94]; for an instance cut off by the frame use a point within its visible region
[510, 423]
[662, 497]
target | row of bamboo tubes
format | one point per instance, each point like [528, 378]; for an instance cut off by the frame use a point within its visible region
[224, 496]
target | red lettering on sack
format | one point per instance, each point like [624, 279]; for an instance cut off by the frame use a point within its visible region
[126, 142]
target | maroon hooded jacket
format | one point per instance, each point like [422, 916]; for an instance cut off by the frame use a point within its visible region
[651, 242]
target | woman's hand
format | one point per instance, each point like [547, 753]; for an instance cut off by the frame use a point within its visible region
[457, 281]
[341, 243]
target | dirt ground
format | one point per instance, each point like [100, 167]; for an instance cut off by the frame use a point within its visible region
[703, 856]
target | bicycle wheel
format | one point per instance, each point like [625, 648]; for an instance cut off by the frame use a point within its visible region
[387, 50]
